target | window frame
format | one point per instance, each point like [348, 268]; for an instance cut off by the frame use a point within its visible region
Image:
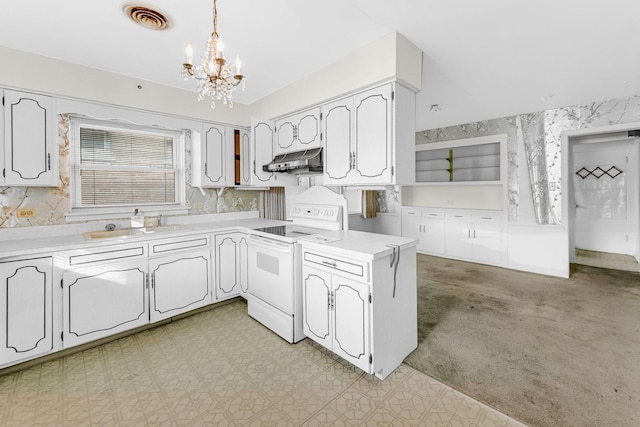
[79, 212]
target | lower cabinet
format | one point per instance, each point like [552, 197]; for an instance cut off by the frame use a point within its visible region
[427, 226]
[476, 237]
[365, 311]
[232, 269]
[336, 315]
[26, 309]
[179, 283]
[103, 300]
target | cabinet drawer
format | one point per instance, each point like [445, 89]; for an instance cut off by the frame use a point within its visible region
[433, 214]
[412, 211]
[458, 216]
[104, 254]
[178, 244]
[352, 268]
[487, 217]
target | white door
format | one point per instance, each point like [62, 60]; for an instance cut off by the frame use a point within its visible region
[487, 243]
[30, 140]
[103, 300]
[243, 264]
[179, 283]
[600, 182]
[337, 131]
[285, 135]
[373, 136]
[213, 154]
[308, 130]
[458, 241]
[351, 339]
[262, 134]
[245, 158]
[316, 309]
[412, 227]
[432, 237]
[227, 262]
[25, 309]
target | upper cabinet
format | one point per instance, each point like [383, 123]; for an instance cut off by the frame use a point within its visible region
[479, 160]
[30, 140]
[297, 132]
[262, 152]
[368, 135]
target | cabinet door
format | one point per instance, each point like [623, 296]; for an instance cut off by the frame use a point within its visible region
[25, 309]
[213, 155]
[337, 131]
[433, 236]
[351, 334]
[459, 242]
[262, 133]
[179, 283]
[103, 300]
[487, 243]
[412, 225]
[245, 157]
[243, 265]
[316, 299]
[227, 266]
[297, 132]
[31, 146]
[373, 136]
[285, 135]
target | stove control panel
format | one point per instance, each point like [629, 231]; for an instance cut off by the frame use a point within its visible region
[323, 216]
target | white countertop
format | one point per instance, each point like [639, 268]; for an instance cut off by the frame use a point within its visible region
[358, 244]
[32, 245]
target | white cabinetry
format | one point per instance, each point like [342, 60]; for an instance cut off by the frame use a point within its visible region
[181, 278]
[212, 157]
[232, 269]
[369, 138]
[30, 140]
[300, 131]
[364, 311]
[244, 154]
[426, 225]
[471, 160]
[25, 309]
[474, 236]
[262, 152]
[104, 292]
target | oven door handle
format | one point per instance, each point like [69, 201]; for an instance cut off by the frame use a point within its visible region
[270, 244]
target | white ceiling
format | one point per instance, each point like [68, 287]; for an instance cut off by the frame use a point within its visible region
[482, 59]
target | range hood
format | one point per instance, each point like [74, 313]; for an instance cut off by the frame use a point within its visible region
[297, 162]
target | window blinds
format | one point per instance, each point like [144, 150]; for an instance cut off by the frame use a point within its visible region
[121, 167]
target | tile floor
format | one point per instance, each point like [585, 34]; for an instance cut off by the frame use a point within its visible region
[218, 368]
[607, 260]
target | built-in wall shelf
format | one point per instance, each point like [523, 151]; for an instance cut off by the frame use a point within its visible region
[480, 160]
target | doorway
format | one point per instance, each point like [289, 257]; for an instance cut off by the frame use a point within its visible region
[601, 206]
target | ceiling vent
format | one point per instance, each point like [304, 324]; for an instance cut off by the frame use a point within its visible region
[145, 15]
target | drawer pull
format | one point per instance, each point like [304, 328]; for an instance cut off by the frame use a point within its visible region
[330, 264]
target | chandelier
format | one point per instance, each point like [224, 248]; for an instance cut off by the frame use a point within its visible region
[215, 77]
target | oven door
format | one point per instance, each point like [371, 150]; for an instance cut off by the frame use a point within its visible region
[271, 272]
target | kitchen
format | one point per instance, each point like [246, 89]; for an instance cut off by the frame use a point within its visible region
[402, 63]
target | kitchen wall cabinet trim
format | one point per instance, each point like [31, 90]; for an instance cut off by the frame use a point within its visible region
[90, 256]
[171, 245]
[26, 309]
[232, 268]
[30, 140]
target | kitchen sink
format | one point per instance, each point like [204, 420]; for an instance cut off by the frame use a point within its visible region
[128, 232]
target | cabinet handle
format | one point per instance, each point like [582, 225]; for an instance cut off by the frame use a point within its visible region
[474, 234]
[330, 264]
[49, 160]
[205, 168]
[146, 281]
[153, 280]
[469, 233]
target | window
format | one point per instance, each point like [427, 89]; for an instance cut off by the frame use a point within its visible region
[123, 166]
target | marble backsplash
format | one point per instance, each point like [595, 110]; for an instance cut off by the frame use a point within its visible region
[539, 135]
[51, 204]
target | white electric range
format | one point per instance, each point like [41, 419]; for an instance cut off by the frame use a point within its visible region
[275, 268]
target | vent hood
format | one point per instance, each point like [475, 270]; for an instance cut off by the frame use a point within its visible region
[297, 162]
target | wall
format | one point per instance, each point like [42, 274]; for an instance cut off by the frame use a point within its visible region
[388, 58]
[533, 151]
